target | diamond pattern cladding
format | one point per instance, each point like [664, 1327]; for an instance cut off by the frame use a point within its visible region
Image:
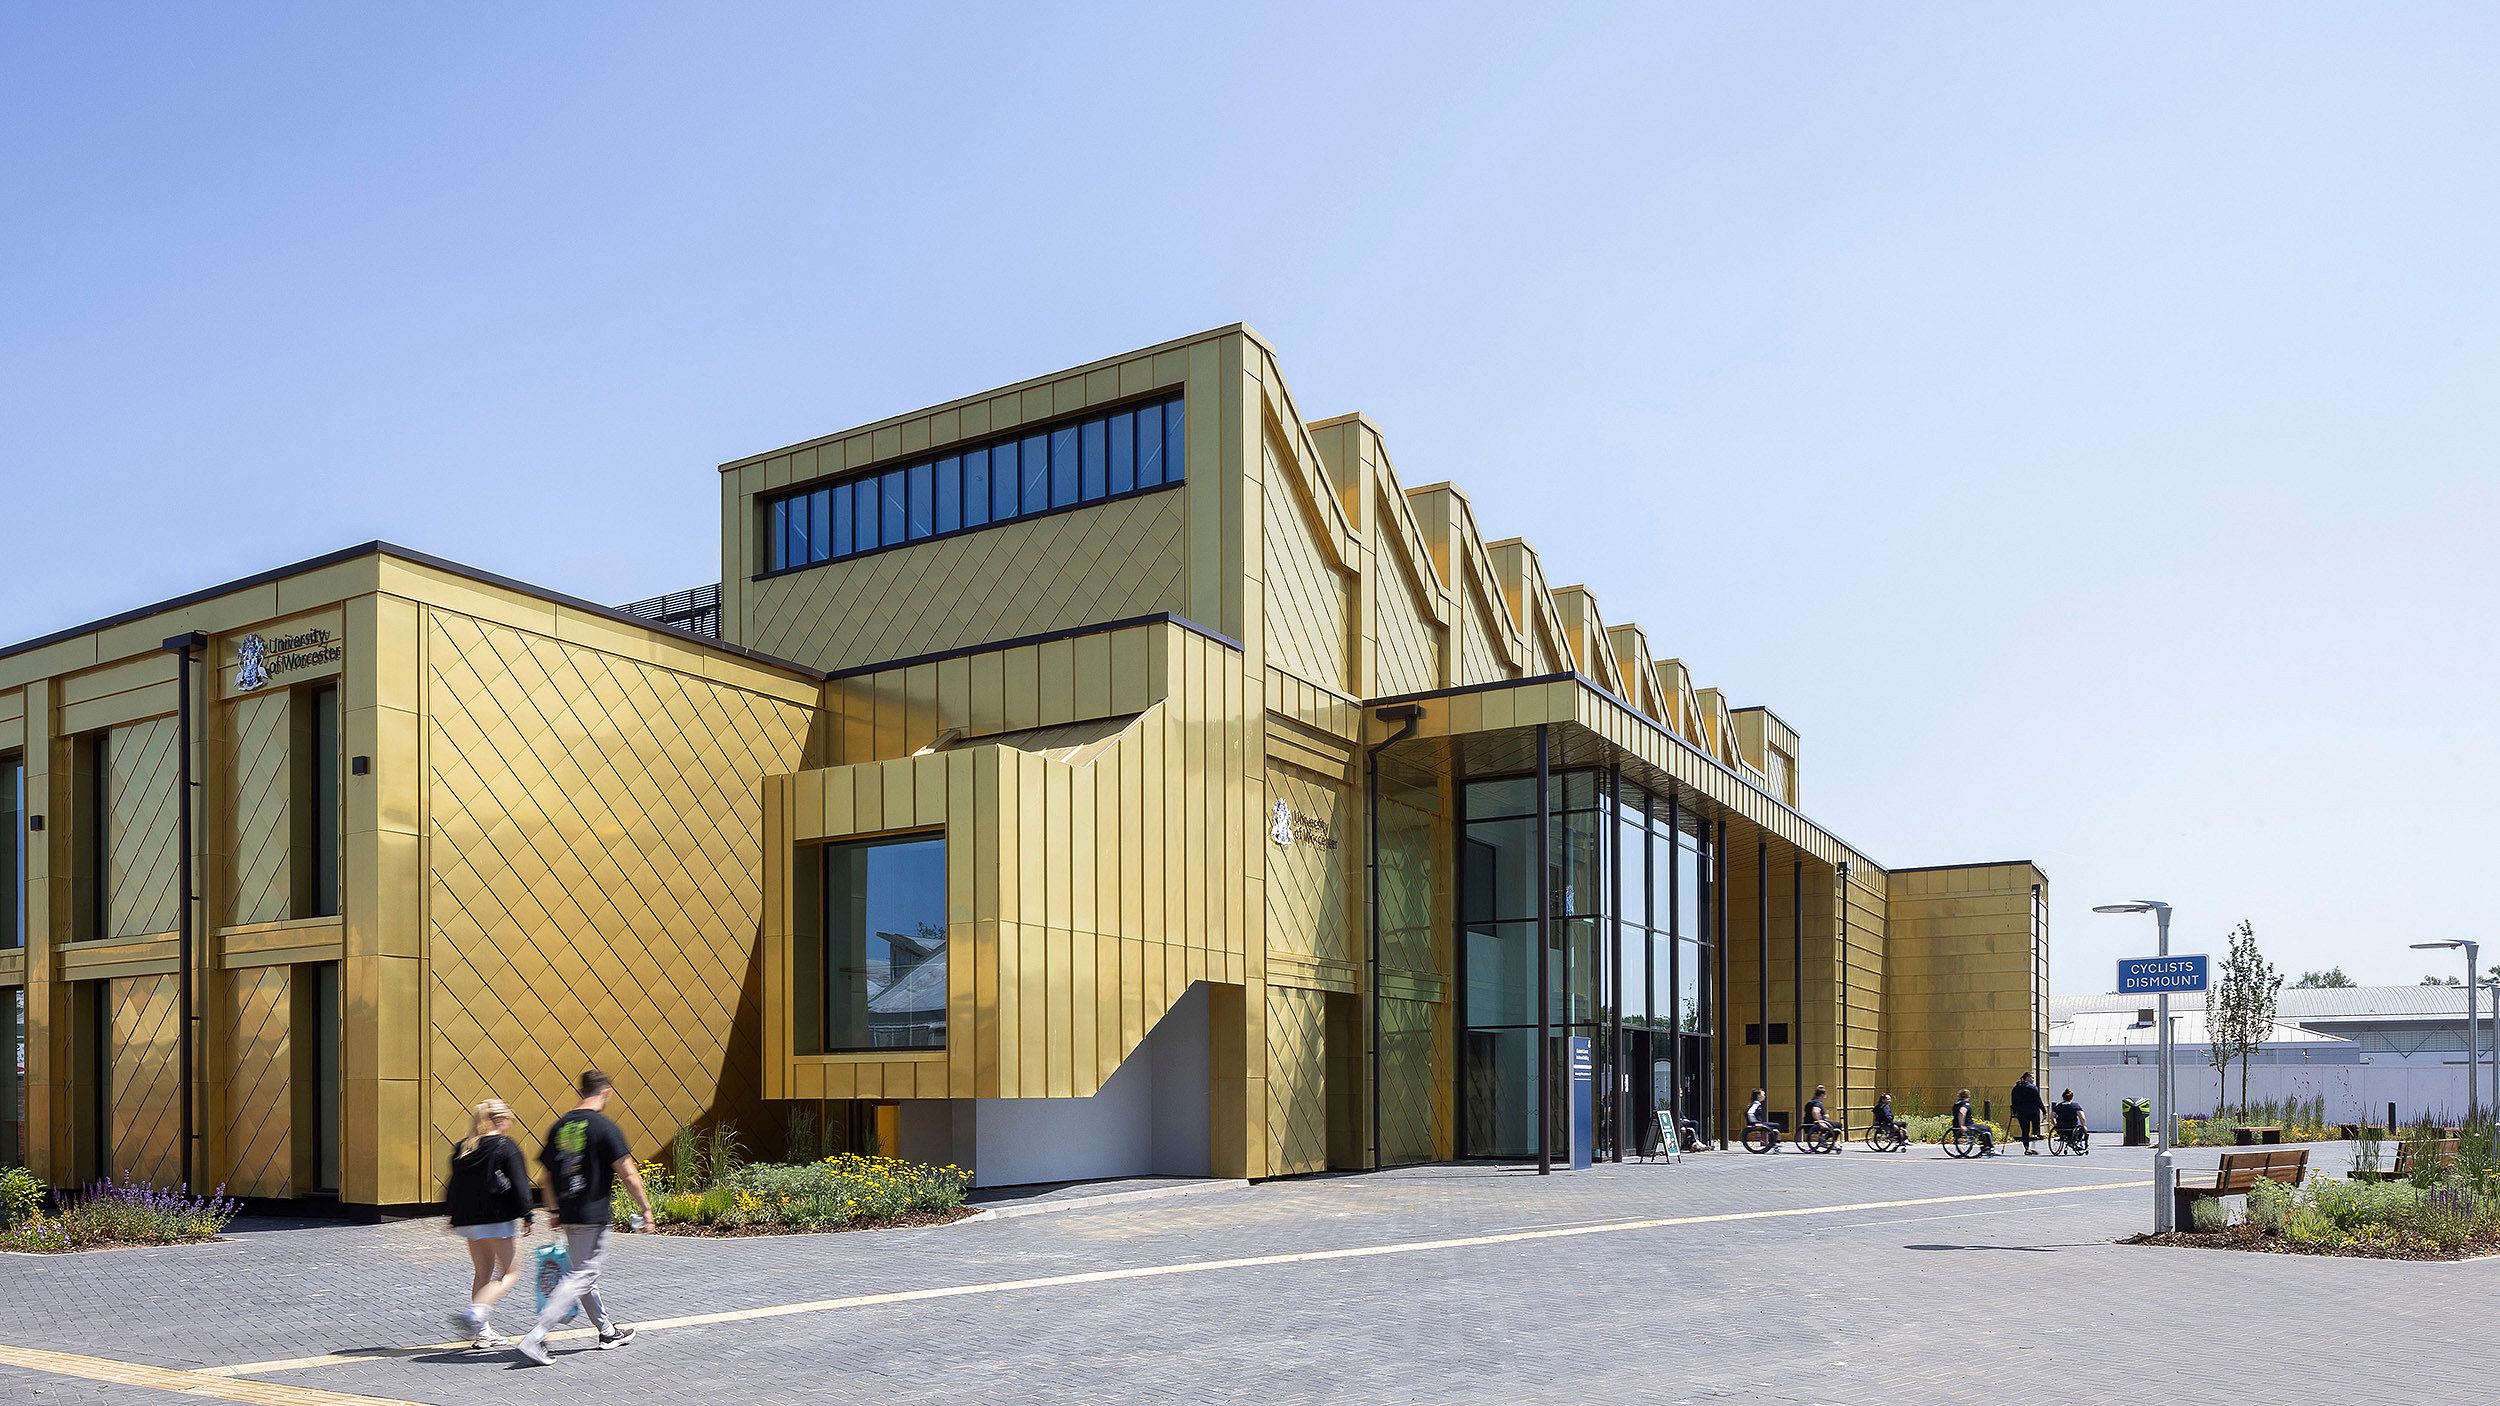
[595, 880]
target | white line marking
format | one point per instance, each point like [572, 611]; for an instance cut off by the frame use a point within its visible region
[1104, 1276]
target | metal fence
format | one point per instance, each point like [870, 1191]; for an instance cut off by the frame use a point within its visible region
[695, 611]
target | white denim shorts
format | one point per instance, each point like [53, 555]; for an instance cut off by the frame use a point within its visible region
[498, 1230]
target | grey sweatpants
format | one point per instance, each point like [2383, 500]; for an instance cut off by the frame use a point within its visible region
[584, 1244]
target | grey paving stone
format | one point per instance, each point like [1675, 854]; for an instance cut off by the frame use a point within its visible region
[1957, 1301]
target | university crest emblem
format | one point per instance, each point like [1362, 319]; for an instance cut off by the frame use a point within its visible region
[253, 673]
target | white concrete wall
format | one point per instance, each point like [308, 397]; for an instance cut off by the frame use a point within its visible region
[2355, 1093]
[1149, 1119]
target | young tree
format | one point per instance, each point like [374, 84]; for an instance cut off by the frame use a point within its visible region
[2240, 1010]
[2439, 981]
[2332, 977]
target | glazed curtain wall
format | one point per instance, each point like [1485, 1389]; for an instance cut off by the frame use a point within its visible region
[1635, 867]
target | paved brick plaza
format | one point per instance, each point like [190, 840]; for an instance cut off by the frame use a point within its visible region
[1986, 1299]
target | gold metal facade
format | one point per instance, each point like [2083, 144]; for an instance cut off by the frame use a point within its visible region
[1143, 727]
[549, 855]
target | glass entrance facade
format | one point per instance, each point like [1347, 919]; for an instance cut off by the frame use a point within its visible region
[1628, 959]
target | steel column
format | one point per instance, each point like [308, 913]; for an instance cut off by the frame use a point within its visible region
[1544, 955]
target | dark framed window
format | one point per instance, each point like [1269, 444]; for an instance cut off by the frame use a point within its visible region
[871, 968]
[12, 852]
[313, 756]
[1092, 459]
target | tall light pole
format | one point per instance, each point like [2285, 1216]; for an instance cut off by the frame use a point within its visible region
[2165, 1163]
[2473, 1027]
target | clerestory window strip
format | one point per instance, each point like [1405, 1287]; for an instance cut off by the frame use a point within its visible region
[1138, 448]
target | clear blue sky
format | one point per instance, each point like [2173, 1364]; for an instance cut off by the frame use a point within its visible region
[2080, 422]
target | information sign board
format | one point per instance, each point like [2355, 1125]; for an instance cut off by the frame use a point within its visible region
[2162, 976]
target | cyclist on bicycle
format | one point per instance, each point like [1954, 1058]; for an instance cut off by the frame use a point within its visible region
[1963, 1122]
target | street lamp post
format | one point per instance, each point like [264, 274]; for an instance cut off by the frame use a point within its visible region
[2473, 1026]
[2165, 1162]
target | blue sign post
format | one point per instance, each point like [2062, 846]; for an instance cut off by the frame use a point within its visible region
[2163, 976]
[1583, 1103]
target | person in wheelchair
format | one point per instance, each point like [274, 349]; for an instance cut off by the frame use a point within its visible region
[1963, 1122]
[1758, 1115]
[2066, 1117]
[1884, 1118]
[1815, 1121]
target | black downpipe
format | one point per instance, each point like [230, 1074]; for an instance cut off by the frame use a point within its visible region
[1406, 718]
[1618, 1078]
[1797, 1027]
[1544, 956]
[1715, 922]
[181, 646]
[1762, 955]
[1843, 901]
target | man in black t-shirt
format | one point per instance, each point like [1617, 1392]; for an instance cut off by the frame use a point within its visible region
[584, 1156]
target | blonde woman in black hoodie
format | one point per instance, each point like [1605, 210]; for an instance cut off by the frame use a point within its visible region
[490, 1198]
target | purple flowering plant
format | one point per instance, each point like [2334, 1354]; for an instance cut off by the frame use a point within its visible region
[122, 1211]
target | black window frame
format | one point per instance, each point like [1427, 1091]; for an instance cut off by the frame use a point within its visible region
[774, 510]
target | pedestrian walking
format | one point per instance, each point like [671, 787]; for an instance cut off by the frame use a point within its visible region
[585, 1156]
[2027, 1109]
[489, 1195]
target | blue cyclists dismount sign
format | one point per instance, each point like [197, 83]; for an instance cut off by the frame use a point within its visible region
[2162, 976]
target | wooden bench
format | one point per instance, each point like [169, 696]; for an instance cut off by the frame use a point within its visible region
[2240, 1171]
[2255, 1134]
[2444, 1152]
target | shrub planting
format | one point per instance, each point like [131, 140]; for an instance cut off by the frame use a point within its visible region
[711, 1188]
[108, 1212]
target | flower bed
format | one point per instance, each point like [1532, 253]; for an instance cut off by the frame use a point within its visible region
[2436, 1214]
[107, 1213]
[844, 1192]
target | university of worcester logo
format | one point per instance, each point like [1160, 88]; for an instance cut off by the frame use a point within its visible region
[253, 673]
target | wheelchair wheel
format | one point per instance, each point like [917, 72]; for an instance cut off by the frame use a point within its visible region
[2058, 1146]
[1883, 1137]
[2083, 1143]
[1826, 1139]
[1961, 1142]
[1759, 1139]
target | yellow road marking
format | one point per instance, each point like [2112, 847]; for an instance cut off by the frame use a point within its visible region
[1102, 1276]
[219, 1385]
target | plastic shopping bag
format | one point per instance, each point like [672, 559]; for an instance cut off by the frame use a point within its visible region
[553, 1265]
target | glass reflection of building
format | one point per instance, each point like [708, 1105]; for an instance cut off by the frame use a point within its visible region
[1629, 958]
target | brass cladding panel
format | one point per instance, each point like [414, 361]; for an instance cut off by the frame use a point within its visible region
[593, 881]
[1107, 562]
[142, 763]
[258, 789]
[1965, 977]
[1297, 1103]
[1309, 888]
[1407, 643]
[258, 1099]
[1306, 595]
[146, 1138]
[1084, 896]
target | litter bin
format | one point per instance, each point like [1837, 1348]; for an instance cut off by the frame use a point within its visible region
[2139, 1116]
